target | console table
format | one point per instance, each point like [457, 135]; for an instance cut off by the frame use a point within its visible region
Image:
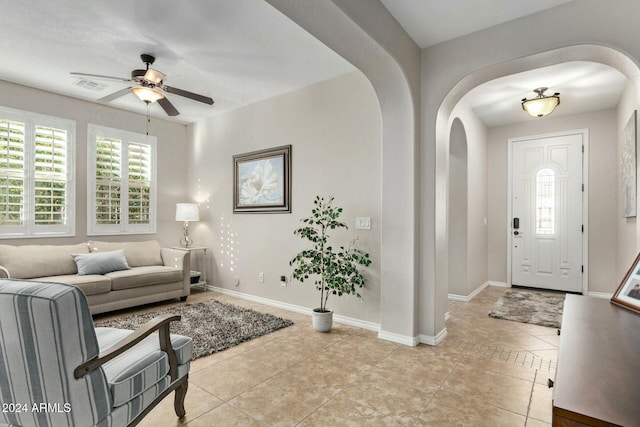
[191, 249]
[598, 373]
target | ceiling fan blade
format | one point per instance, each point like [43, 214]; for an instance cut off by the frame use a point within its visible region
[98, 76]
[168, 107]
[186, 94]
[114, 95]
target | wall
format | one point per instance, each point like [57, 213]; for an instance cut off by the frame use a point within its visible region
[334, 128]
[602, 219]
[172, 159]
[458, 184]
[627, 247]
[451, 69]
[476, 202]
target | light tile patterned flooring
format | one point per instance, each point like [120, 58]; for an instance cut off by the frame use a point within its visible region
[487, 372]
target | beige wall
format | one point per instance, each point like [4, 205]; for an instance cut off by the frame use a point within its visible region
[602, 217]
[475, 212]
[627, 231]
[172, 158]
[334, 128]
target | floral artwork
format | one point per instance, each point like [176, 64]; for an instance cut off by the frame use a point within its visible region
[262, 180]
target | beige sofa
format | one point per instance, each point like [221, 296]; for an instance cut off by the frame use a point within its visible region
[154, 274]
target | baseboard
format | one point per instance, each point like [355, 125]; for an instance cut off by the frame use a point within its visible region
[345, 320]
[603, 295]
[447, 316]
[472, 295]
[399, 339]
[433, 340]
[498, 284]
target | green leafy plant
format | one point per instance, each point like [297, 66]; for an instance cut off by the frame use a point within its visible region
[335, 270]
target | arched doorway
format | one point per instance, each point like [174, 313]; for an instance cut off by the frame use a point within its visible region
[458, 211]
[593, 53]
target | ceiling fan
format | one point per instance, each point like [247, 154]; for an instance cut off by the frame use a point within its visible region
[148, 85]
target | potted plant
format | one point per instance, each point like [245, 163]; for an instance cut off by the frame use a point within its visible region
[335, 270]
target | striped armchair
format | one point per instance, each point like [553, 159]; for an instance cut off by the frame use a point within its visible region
[56, 369]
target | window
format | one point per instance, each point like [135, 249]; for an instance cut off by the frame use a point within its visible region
[545, 201]
[121, 182]
[37, 184]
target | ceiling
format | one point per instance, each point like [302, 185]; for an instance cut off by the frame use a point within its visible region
[243, 51]
[583, 86]
[430, 22]
[237, 52]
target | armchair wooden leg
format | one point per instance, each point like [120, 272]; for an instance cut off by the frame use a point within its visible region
[178, 402]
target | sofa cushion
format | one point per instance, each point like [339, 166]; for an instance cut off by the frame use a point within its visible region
[138, 254]
[30, 261]
[143, 276]
[141, 367]
[90, 284]
[100, 262]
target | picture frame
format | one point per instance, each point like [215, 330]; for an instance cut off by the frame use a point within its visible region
[628, 166]
[628, 293]
[262, 181]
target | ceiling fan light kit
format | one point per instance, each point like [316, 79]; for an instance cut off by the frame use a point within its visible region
[541, 105]
[147, 94]
[149, 87]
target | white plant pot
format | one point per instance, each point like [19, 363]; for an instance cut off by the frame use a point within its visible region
[322, 321]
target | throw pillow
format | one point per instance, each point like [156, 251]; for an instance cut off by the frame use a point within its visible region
[100, 263]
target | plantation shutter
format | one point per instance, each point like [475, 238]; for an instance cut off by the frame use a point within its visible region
[122, 182]
[139, 183]
[108, 175]
[12, 173]
[50, 176]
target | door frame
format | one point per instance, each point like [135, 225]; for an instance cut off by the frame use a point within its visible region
[585, 199]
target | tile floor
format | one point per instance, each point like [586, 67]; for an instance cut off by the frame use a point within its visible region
[487, 372]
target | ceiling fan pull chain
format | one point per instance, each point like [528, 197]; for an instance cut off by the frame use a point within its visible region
[148, 116]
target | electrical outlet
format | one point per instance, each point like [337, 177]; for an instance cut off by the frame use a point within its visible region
[261, 277]
[283, 280]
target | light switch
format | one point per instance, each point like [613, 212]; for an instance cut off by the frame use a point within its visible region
[363, 223]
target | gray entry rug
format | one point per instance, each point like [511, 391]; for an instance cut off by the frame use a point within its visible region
[213, 325]
[536, 307]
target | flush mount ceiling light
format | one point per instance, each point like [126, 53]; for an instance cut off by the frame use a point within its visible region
[147, 94]
[541, 105]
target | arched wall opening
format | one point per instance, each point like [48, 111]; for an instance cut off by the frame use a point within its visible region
[593, 53]
[458, 209]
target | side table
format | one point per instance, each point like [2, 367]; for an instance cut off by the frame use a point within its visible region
[203, 249]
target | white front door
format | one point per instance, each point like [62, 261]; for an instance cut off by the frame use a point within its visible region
[546, 218]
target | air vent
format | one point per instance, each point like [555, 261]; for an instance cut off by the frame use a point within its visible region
[90, 85]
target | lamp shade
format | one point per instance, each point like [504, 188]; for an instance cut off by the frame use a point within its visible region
[187, 212]
[147, 94]
[541, 105]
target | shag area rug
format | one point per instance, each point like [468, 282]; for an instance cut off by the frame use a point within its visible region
[213, 325]
[536, 307]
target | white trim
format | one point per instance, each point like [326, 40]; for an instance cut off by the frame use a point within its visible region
[499, 284]
[472, 295]
[431, 340]
[603, 295]
[399, 339]
[447, 316]
[345, 320]
[585, 198]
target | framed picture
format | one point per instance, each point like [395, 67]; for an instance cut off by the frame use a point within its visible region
[628, 293]
[628, 166]
[262, 181]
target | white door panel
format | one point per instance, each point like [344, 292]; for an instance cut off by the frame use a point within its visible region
[547, 195]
